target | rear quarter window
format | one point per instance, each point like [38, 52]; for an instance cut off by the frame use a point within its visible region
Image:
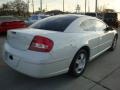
[88, 25]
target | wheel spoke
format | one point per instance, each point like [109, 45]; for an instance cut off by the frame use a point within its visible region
[77, 61]
[80, 63]
[82, 56]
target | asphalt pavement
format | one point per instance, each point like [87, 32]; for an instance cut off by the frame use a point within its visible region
[103, 73]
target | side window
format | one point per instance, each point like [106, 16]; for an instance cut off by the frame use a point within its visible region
[88, 25]
[100, 25]
[84, 25]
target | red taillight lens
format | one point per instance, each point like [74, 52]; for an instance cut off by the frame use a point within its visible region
[41, 44]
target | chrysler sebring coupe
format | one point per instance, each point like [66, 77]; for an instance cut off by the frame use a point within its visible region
[57, 45]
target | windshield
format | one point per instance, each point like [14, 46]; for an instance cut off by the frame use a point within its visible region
[55, 23]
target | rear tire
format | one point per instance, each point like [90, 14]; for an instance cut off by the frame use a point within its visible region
[79, 63]
[114, 44]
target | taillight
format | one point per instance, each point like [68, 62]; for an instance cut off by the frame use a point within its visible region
[41, 44]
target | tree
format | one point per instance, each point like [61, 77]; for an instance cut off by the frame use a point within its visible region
[55, 12]
[18, 6]
[108, 11]
[5, 6]
[103, 9]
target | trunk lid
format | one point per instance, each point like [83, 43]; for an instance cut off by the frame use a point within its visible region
[22, 38]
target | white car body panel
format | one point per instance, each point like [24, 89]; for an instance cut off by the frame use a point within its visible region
[58, 60]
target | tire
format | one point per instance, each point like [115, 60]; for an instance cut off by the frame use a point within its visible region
[79, 63]
[114, 44]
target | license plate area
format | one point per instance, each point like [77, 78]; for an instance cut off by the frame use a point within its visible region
[11, 59]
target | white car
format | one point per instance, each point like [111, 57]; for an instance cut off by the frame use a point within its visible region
[57, 45]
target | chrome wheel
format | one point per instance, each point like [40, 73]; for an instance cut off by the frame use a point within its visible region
[80, 63]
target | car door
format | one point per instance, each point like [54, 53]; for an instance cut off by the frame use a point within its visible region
[105, 37]
[93, 37]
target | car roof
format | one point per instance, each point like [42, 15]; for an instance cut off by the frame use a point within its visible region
[77, 15]
[77, 22]
[39, 15]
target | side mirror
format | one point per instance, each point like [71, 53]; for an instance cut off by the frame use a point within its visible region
[108, 29]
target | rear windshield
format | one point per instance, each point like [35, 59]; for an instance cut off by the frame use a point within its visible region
[55, 23]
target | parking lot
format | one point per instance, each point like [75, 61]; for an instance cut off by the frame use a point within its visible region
[102, 74]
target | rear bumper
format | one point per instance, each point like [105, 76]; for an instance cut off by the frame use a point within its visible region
[32, 64]
[37, 71]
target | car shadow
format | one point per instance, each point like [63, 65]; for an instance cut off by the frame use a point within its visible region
[14, 80]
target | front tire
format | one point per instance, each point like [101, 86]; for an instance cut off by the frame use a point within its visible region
[114, 44]
[79, 63]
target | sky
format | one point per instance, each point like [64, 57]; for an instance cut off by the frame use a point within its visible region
[71, 4]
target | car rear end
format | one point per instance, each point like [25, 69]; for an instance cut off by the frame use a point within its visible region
[26, 54]
[38, 52]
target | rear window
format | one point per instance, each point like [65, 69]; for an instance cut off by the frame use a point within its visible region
[55, 23]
